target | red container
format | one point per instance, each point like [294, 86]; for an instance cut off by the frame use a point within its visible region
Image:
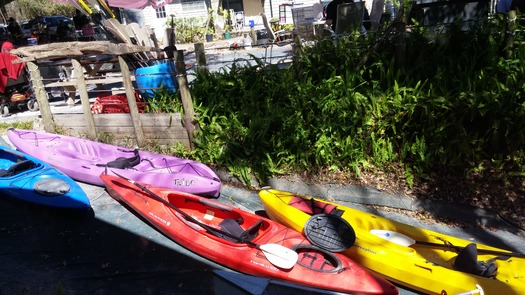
[117, 103]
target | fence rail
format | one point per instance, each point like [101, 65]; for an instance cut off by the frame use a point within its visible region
[86, 78]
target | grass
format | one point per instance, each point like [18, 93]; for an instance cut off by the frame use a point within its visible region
[19, 125]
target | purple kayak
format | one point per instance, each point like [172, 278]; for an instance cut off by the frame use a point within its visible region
[84, 160]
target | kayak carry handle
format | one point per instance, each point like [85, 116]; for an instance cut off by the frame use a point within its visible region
[215, 205]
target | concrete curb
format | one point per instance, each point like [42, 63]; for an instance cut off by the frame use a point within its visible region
[349, 195]
[368, 196]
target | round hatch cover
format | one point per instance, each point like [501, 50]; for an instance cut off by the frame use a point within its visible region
[329, 232]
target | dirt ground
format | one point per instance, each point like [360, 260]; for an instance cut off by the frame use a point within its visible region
[502, 194]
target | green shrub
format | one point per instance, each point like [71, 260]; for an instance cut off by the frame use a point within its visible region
[348, 105]
[189, 30]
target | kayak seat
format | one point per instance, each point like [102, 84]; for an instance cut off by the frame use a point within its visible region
[123, 162]
[467, 261]
[312, 207]
[252, 231]
[232, 227]
[18, 168]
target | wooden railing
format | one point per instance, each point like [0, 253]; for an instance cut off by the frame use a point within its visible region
[164, 129]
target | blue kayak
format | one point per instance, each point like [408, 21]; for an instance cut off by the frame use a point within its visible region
[25, 178]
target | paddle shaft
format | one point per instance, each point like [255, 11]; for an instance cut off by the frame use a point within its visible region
[405, 240]
[478, 290]
[190, 218]
[459, 248]
[278, 255]
[187, 216]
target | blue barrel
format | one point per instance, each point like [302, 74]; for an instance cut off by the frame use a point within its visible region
[151, 79]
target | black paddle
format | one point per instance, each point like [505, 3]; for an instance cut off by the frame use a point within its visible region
[404, 240]
[278, 255]
[459, 248]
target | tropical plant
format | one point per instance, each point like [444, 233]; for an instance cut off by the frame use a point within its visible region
[227, 20]
[455, 107]
[190, 30]
[35, 8]
[164, 101]
[210, 23]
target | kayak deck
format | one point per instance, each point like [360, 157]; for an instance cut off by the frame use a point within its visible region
[428, 269]
[315, 267]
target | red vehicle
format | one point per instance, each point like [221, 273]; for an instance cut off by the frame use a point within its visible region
[16, 91]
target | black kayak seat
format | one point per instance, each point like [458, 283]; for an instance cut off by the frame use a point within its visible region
[467, 261]
[123, 162]
[18, 168]
[232, 227]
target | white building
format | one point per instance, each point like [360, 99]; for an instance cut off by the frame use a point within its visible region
[249, 9]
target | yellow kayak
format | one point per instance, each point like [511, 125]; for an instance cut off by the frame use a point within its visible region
[419, 259]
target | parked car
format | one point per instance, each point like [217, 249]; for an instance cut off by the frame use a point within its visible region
[26, 28]
[47, 26]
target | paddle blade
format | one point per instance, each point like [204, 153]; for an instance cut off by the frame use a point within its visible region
[394, 237]
[279, 256]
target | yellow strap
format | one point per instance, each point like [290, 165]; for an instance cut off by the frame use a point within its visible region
[85, 6]
[106, 7]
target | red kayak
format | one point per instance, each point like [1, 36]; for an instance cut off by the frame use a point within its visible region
[242, 240]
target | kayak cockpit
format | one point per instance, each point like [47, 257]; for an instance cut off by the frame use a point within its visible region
[225, 222]
[17, 168]
[242, 235]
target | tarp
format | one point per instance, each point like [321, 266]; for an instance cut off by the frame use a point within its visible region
[8, 69]
[137, 4]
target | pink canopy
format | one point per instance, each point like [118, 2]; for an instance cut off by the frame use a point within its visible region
[138, 4]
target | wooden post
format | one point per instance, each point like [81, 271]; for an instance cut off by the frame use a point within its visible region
[399, 40]
[297, 52]
[41, 97]
[200, 55]
[132, 102]
[84, 99]
[187, 103]
[253, 34]
[509, 34]
[153, 38]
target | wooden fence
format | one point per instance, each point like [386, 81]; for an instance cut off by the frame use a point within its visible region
[143, 128]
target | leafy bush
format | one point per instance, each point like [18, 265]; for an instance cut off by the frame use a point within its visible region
[455, 102]
[164, 101]
[189, 30]
[35, 8]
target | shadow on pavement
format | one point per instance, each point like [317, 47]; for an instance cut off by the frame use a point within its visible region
[45, 251]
